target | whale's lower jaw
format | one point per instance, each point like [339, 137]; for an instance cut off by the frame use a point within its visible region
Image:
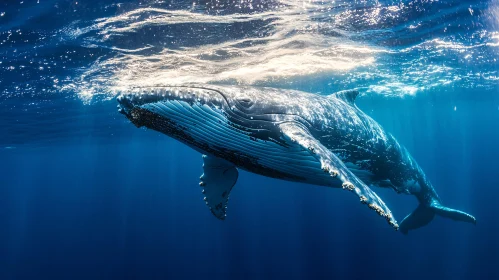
[141, 117]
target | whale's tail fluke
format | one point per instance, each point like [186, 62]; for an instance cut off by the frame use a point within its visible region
[425, 213]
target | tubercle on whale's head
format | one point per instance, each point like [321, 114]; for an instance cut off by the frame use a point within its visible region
[139, 96]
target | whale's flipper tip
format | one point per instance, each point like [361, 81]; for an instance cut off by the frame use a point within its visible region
[332, 165]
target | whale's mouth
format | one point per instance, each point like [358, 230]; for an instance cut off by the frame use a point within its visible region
[189, 114]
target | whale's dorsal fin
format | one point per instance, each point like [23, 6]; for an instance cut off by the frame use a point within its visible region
[332, 165]
[217, 181]
[348, 96]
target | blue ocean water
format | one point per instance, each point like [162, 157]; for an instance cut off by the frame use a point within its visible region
[84, 194]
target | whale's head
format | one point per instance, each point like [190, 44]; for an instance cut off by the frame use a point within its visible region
[169, 102]
[194, 113]
[248, 100]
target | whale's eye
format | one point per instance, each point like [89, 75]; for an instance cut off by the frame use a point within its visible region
[245, 101]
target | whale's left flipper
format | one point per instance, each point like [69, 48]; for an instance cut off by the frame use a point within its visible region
[331, 164]
[217, 181]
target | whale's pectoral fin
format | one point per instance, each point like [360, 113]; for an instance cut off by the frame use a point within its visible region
[217, 181]
[336, 168]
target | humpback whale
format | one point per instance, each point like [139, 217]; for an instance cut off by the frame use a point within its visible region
[289, 135]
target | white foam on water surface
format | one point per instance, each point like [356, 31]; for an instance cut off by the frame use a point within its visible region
[296, 40]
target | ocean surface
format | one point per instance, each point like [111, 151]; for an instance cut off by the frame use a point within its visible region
[84, 194]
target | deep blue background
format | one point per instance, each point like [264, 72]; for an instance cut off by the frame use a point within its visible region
[86, 195]
[128, 206]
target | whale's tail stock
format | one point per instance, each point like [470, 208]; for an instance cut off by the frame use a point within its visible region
[425, 213]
